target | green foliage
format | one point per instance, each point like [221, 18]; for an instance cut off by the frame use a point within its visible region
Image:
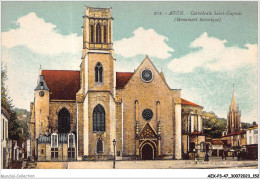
[18, 129]
[213, 125]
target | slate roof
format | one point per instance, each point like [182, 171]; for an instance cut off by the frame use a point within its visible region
[42, 86]
[63, 84]
[186, 102]
[62, 138]
[122, 78]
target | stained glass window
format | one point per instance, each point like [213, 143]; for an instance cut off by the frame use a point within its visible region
[147, 75]
[147, 114]
[99, 119]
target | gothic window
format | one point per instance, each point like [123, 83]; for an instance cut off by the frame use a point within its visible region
[105, 34]
[99, 119]
[91, 33]
[99, 73]
[98, 33]
[99, 146]
[147, 114]
[64, 121]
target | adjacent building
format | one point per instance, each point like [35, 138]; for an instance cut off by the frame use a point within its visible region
[252, 142]
[5, 157]
[76, 115]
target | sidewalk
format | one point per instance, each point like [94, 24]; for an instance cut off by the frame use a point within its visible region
[154, 164]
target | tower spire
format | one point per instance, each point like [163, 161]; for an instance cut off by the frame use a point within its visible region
[233, 102]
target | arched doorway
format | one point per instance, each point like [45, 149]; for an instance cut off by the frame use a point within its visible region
[147, 152]
[64, 121]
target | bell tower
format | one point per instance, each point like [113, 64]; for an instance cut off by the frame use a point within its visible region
[97, 57]
[97, 83]
[97, 29]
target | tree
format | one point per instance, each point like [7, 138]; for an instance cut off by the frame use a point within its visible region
[18, 130]
[6, 101]
[213, 125]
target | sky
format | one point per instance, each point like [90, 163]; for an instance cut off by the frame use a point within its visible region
[202, 58]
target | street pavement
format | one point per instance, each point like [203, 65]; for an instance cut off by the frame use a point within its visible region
[214, 163]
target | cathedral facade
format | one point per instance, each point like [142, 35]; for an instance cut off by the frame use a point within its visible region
[80, 115]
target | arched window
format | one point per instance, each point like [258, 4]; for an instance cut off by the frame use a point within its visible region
[71, 146]
[99, 146]
[54, 146]
[98, 33]
[54, 140]
[99, 73]
[71, 140]
[99, 119]
[91, 34]
[105, 34]
[64, 121]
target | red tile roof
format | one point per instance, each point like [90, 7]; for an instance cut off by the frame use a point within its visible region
[216, 142]
[185, 102]
[196, 133]
[122, 78]
[236, 133]
[63, 84]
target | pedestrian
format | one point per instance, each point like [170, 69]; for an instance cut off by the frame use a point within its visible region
[238, 156]
[206, 157]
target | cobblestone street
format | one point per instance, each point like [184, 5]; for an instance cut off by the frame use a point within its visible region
[216, 163]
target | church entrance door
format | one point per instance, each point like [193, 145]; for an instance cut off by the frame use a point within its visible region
[147, 152]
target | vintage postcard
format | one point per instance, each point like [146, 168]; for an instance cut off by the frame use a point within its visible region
[129, 85]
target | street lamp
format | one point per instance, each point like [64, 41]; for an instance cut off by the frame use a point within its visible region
[114, 144]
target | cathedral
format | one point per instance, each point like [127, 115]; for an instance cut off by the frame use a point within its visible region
[96, 112]
[233, 117]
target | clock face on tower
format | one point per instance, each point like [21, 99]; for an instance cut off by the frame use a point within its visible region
[41, 93]
[147, 75]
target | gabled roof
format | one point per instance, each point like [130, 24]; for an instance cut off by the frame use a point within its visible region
[185, 102]
[128, 75]
[122, 78]
[63, 84]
